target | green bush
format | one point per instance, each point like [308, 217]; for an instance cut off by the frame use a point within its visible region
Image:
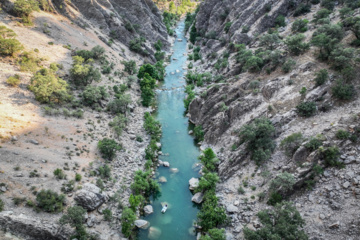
[152, 126]
[288, 65]
[118, 124]
[300, 25]
[343, 91]
[329, 4]
[144, 184]
[330, 156]
[280, 21]
[193, 34]
[108, 216]
[130, 66]
[283, 222]
[208, 159]
[128, 218]
[147, 85]
[83, 73]
[306, 109]
[92, 95]
[321, 77]
[283, 183]
[50, 201]
[47, 87]
[321, 14]
[302, 9]
[108, 148]
[9, 46]
[211, 215]
[342, 134]
[291, 143]
[78, 177]
[214, 234]
[59, 174]
[245, 29]
[24, 8]
[314, 143]
[296, 45]
[137, 45]
[270, 41]
[259, 138]
[207, 182]
[120, 104]
[342, 58]
[2, 205]
[227, 27]
[326, 38]
[104, 172]
[13, 81]
[68, 187]
[199, 133]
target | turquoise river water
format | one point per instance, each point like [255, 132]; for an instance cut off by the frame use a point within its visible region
[177, 222]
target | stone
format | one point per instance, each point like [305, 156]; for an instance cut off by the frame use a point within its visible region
[350, 160]
[3, 189]
[322, 216]
[256, 224]
[154, 233]
[91, 220]
[158, 145]
[33, 141]
[143, 224]
[346, 184]
[162, 179]
[90, 197]
[229, 236]
[334, 225]
[193, 183]
[148, 209]
[14, 138]
[191, 132]
[174, 170]
[198, 197]
[232, 209]
[166, 164]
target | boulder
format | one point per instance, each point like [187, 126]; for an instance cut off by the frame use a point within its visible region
[198, 197]
[154, 233]
[143, 224]
[90, 197]
[166, 164]
[148, 209]
[232, 209]
[174, 170]
[193, 183]
[162, 179]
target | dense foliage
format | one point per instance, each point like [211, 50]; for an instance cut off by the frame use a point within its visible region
[108, 148]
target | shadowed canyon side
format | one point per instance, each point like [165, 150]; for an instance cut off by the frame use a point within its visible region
[268, 101]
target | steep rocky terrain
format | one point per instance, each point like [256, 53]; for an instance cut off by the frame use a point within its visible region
[242, 94]
[38, 138]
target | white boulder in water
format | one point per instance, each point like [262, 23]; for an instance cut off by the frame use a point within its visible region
[143, 224]
[154, 233]
[179, 40]
[198, 197]
[172, 73]
[148, 209]
[193, 183]
[174, 170]
[162, 179]
[166, 164]
[177, 71]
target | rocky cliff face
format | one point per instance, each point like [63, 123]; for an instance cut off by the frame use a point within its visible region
[222, 108]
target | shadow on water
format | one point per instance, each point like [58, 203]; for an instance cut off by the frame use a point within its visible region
[180, 151]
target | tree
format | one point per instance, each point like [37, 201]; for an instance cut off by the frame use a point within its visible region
[207, 182]
[129, 67]
[9, 46]
[283, 222]
[306, 109]
[214, 234]
[259, 138]
[150, 70]
[75, 217]
[321, 77]
[83, 73]
[326, 38]
[92, 95]
[128, 218]
[296, 45]
[120, 104]
[270, 40]
[209, 159]
[24, 8]
[300, 25]
[283, 183]
[143, 184]
[108, 148]
[50, 201]
[47, 87]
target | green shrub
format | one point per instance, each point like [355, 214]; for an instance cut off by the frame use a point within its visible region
[50, 201]
[24, 8]
[68, 187]
[19, 200]
[326, 38]
[283, 222]
[136, 45]
[214, 234]
[83, 73]
[120, 104]
[300, 25]
[259, 138]
[321, 14]
[208, 159]
[2, 205]
[241, 190]
[104, 172]
[321, 77]
[92, 95]
[130, 66]
[108, 148]
[245, 29]
[78, 177]
[343, 91]
[9, 46]
[13, 81]
[144, 185]
[118, 124]
[128, 218]
[296, 45]
[288, 65]
[108, 216]
[330, 156]
[283, 183]
[211, 215]
[342, 134]
[342, 58]
[302, 9]
[314, 143]
[329, 4]
[270, 41]
[207, 182]
[291, 143]
[227, 27]
[152, 126]
[199, 133]
[280, 21]
[59, 174]
[253, 64]
[306, 109]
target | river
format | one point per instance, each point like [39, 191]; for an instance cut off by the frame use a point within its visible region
[179, 150]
